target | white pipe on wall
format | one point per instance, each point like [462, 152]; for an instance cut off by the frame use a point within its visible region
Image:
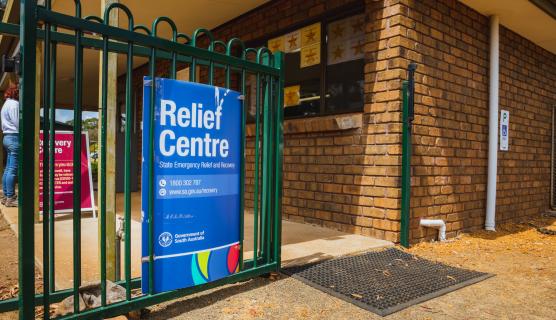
[490, 220]
[439, 224]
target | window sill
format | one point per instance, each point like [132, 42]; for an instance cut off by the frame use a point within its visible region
[337, 122]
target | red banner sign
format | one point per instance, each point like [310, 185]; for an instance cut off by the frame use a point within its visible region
[63, 173]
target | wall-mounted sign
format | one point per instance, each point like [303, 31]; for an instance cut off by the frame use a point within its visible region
[63, 173]
[310, 35]
[292, 95]
[346, 39]
[195, 183]
[504, 130]
[276, 44]
[293, 41]
[310, 55]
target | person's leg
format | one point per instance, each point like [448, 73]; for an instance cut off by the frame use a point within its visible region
[4, 184]
[11, 170]
[4, 189]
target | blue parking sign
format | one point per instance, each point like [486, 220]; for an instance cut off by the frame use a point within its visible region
[196, 183]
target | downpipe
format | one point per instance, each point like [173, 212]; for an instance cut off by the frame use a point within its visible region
[490, 217]
[437, 224]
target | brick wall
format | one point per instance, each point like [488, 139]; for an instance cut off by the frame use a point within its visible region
[449, 41]
[527, 78]
[341, 171]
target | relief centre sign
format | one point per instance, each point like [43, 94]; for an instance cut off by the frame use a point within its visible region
[196, 183]
[63, 173]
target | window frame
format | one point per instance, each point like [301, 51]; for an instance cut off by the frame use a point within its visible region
[324, 19]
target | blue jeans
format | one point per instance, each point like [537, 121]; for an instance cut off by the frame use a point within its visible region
[11, 143]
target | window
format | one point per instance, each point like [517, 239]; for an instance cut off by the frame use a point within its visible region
[326, 56]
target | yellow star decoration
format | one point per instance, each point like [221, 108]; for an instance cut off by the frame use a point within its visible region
[311, 57]
[338, 53]
[338, 31]
[290, 98]
[311, 36]
[357, 26]
[292, 41]
[275, 47]
[358, 48]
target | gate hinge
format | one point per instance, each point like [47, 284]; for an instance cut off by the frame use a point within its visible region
[12, 64]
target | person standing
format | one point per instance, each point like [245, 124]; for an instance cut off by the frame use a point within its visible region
[10, 127]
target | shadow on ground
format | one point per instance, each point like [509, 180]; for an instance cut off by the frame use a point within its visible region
[204, 299]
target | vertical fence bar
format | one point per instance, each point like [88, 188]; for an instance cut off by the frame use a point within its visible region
[192, 67]
[127, 171]
[151, 170]
[256, 175]
[265, 159]
[103, 142]
[211, 72]
[47, 153]
[173, 65]
[26, 186]
[279, 64]
[242, 174]
[51, 164]
[269, 200]
[227, 83]
[77, 116]
[404, 225]
[407, 120]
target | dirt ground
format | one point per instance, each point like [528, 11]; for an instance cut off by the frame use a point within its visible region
[8, 265]
[523, 259]
[8, 269]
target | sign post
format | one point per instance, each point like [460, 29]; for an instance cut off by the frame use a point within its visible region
[195, 183]
[63, 173]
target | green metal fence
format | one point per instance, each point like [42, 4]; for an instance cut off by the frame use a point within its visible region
[408, 114]
[39, 25]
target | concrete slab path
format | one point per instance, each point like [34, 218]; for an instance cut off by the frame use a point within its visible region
[301, 243]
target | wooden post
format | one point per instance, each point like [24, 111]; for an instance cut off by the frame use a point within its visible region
[111, 115]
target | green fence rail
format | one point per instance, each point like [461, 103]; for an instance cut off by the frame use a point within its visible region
[40, 25]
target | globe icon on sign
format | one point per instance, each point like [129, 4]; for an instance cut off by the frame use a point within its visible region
[165, 239]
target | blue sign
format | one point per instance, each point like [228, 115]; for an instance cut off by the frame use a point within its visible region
[196, 183]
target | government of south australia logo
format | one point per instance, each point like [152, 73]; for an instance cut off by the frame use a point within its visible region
[165, 239]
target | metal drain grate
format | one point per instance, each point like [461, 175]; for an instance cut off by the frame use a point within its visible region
[385, 281]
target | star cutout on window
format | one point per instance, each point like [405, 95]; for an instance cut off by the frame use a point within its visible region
[292, 41]
[357, 26]
[338, 52]
[338, 31]
[358, 48]
[311, 57]
[311, 36]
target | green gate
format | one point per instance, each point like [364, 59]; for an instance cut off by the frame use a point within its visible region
[39, 25]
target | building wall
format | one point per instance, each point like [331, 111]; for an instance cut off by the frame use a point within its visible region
[340, 171]
[449, 41]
